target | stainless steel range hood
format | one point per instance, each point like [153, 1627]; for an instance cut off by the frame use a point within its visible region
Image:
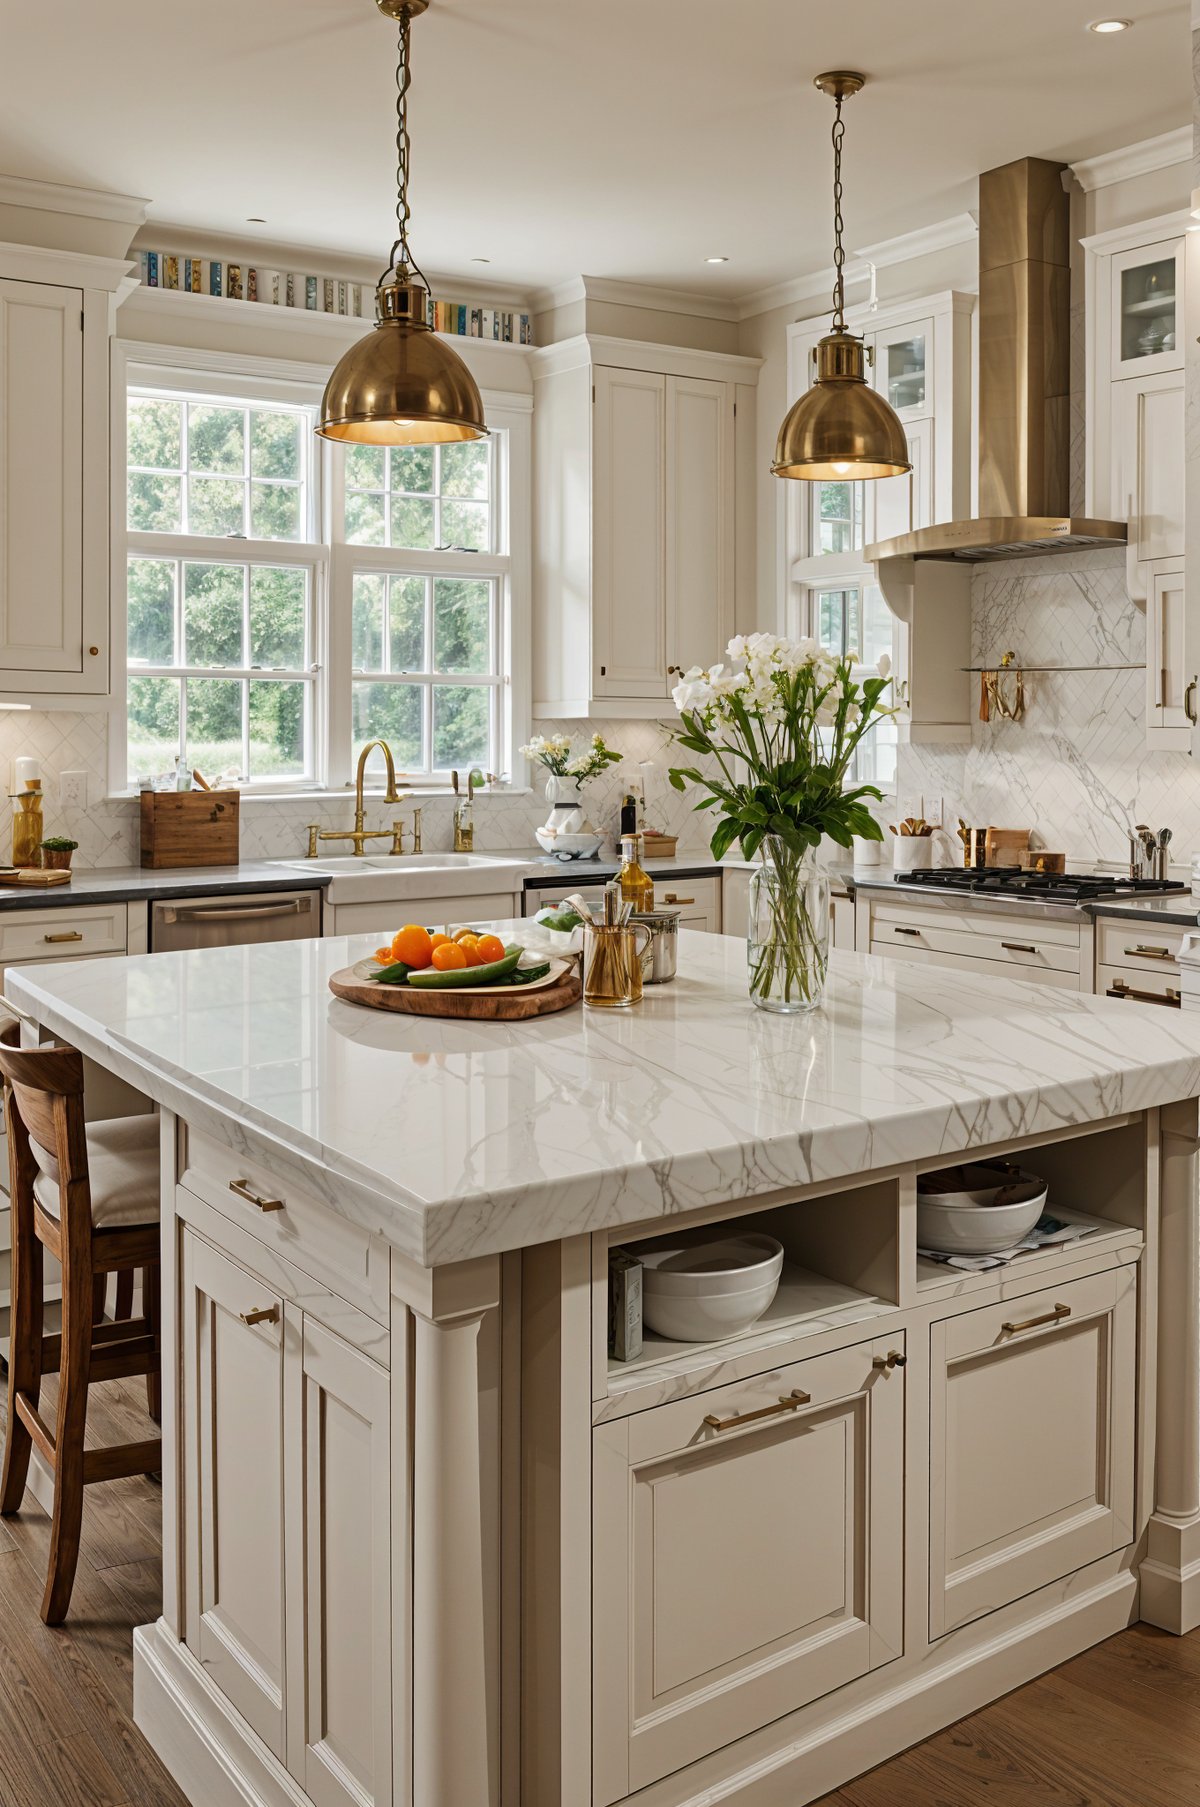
[1024, 382]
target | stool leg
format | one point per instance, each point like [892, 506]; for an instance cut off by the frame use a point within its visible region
[124, 1305]
[152, 1306]
[73, 1380]
[25, 1344]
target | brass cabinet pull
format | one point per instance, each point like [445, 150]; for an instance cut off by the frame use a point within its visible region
[1151, 953]
[1018, 947]
[791, 1403]
[893, 1359]
[1189, 701]
[267, 1314]
[899, 931]
[671, 898]
[1170, 997]
[1049, 1317]
[71, 935]
[242, 1188]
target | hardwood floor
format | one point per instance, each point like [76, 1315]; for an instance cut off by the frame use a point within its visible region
[67, 1737]
[1118, 1726]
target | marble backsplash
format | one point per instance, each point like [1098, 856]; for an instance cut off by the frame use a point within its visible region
[107, 830]
[1076, 769]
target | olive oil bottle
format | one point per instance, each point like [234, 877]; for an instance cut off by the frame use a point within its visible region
[637, 887]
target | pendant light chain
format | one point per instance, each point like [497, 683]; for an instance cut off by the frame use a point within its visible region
[839, 252]
[403, 150]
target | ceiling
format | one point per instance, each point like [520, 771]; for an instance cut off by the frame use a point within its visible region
[629, 139]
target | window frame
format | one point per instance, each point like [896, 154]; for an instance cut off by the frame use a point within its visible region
[187, 370]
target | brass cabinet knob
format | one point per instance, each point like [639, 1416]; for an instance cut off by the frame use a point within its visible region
[893, 1359]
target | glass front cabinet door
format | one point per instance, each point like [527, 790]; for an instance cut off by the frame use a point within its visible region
[904, 368]
[1147, 310]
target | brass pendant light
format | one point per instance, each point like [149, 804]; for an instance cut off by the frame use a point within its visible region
[841, 427]
[402, 385]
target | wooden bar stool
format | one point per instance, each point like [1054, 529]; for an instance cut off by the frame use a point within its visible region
[90, 1194]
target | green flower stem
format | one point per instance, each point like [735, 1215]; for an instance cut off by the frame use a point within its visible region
[788, 965]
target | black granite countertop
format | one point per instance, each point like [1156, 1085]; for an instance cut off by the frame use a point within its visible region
[133, 884]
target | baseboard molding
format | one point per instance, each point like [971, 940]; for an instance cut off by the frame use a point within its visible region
[208, 1748]
[1170, 1575]
[835, 1752]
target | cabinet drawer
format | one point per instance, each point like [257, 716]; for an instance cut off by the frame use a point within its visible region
[1038, 945]
[914, 951]
[698, 1643]
[1031, 1443]
[382, 920]
[1136, 985]
[698, 901]
[60, 934]
[1146, 947]
[306, 1232]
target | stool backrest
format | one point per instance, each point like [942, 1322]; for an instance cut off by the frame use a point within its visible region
[43, 1106]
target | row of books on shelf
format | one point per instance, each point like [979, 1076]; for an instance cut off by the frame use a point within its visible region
[317, 294]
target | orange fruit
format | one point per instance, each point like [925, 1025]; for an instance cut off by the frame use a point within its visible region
[384, 955]
[461, 935]
[413, 946]
[449, 957]
[471, 950]
[490, 948]
[438, 940]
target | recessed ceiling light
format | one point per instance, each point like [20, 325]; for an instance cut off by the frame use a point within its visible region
[716, 260]
[481, 260]
[1102, 27]
[254, 219]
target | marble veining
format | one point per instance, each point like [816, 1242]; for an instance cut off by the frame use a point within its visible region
[1077, 768]
[456, 1139]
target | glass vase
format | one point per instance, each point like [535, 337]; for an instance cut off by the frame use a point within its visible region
[787, 947]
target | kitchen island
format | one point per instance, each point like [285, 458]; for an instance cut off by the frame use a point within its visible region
[426, 1545]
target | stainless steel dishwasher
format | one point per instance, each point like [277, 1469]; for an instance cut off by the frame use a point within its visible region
[234, 921]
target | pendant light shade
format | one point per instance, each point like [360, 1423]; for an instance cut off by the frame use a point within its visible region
[841, 427]
[402, 384]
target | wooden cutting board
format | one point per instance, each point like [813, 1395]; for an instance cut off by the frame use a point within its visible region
[514, 1006]
[35, 875]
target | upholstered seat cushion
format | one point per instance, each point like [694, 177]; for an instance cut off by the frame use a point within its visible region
[123, 1167]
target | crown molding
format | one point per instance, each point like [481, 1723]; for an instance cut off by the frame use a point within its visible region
[38, 263]
[1141, 159]
[635, 294]
[60, 197]
[906, 247]
[589, 349]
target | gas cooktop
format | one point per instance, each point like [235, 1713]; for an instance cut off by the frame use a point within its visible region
[1037, 887]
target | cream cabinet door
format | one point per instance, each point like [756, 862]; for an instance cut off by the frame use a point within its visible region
[232, 1332]
[629, 459]
[339, 1705]
[1167, 725]
[897, 505]
[384, 919]
[1149, 465]
[747, 1558]
[700, 520]
[1031, 1443]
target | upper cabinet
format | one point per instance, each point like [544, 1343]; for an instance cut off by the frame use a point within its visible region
[639, 452]
[54, 465]
[1136, 297]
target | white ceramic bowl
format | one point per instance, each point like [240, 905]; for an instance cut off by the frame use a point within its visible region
[697, 1291]
[569, 846]
[985, 1214]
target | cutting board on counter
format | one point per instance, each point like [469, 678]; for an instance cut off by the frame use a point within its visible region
[495, 1004]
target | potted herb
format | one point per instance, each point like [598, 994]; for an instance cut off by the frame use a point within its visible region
[56, 853]
[778, 729]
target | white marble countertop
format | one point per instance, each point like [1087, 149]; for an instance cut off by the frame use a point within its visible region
[459, 1139]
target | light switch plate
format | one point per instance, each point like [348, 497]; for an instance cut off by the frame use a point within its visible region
[934, 811]
[72, 790]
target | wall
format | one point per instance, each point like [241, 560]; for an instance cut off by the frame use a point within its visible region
[107, 831]
[1076, 768]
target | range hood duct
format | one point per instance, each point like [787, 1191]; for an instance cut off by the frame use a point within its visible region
[1024, 381]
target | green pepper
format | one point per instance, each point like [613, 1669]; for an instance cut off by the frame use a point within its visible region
[393, 975]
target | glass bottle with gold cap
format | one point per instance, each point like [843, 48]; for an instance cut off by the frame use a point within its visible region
[637, 887]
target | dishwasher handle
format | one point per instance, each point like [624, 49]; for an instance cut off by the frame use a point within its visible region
[295, 906]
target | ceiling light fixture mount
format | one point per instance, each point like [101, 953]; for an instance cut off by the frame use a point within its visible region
[841, 427]
[402, 385]
[1105, 27]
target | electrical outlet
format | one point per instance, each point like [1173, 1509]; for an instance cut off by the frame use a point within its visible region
[908, 803]
[934, 811]
[72, 790]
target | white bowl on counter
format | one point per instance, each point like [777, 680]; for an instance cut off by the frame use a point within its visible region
[990, 1211]
[698, 1291]
[568, 846]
